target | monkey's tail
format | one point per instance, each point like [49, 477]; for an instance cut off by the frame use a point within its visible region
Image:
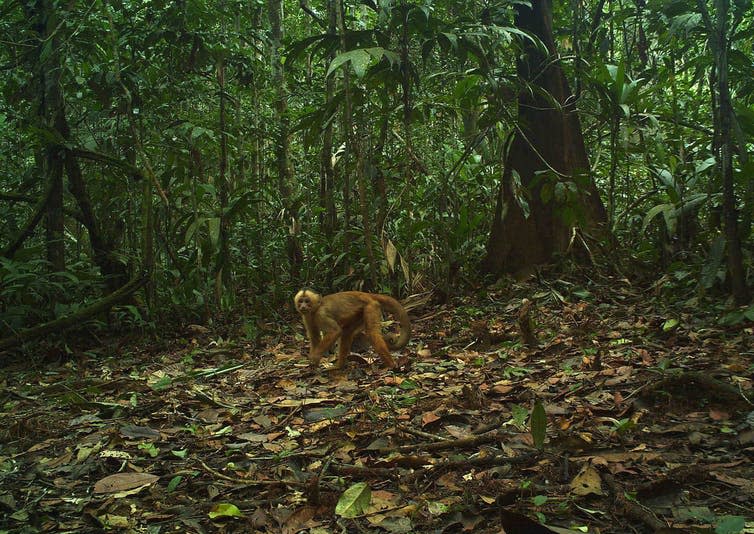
[399, 312]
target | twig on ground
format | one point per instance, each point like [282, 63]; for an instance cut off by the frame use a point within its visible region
[418, 433]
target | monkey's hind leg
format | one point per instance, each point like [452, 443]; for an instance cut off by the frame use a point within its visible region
[344, 347]
[372, 317]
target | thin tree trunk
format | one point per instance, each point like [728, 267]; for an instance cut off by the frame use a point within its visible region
[364, 204]
[222, 266]
[52, 115]
[328, 218]
[113, 270]
[748, 207]
[406, 80]
[150, 184]
[354, 142]
[295, 253]
[347, 129]
[719, 45]
[380, 184]
[614, 131]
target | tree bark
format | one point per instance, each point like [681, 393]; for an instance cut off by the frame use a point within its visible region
[547, 155]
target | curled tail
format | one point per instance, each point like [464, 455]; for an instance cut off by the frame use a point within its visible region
[391, 305]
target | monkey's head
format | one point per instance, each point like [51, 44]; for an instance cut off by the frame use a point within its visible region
[306, 301]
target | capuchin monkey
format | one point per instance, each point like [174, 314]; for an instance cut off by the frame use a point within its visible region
[343, 315]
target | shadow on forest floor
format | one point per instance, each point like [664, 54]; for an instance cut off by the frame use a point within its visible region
[646, 429]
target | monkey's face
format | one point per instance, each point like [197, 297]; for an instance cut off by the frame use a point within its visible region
[306, 301]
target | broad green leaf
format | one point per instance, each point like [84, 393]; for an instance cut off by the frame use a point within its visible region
[669, 325]
[684, 24]
[665, 176]
[652, 213]
[359, 60]
[224, 509]
[538, 422]
[408, 385]
[691, 202]
[452, 40]
[295, 49]
[539, 500]
[191, 230]
[732, 318]
[519, 414]
[730, 524]
[701, 166]
[163, 383]
[173, 484]
[354, 501]
[150, 449]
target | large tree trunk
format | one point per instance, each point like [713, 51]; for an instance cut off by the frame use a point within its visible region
[547, 154]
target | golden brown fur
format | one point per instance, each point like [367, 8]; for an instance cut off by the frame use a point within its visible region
[343, 315]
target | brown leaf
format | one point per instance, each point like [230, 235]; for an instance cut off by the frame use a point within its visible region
[124, 482]
[429, 417]
[587, 481]
[744, 483]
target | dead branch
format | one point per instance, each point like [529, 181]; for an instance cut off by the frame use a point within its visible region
[461, 443]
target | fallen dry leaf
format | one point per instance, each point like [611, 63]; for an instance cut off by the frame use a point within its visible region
[124, 482]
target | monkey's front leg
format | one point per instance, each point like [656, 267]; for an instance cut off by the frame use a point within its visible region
[325, 344]
[314, 356]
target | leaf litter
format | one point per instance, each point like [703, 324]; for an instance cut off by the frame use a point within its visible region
[609, 421]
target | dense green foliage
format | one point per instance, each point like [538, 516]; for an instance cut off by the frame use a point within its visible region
[202, 168]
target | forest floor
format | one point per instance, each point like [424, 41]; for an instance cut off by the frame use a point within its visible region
[649, 426]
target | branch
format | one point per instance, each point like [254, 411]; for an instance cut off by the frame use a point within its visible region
[110, 160]
[687, 124]
[312, 14]
[16, 197]
[31, 223]
[596, 20]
